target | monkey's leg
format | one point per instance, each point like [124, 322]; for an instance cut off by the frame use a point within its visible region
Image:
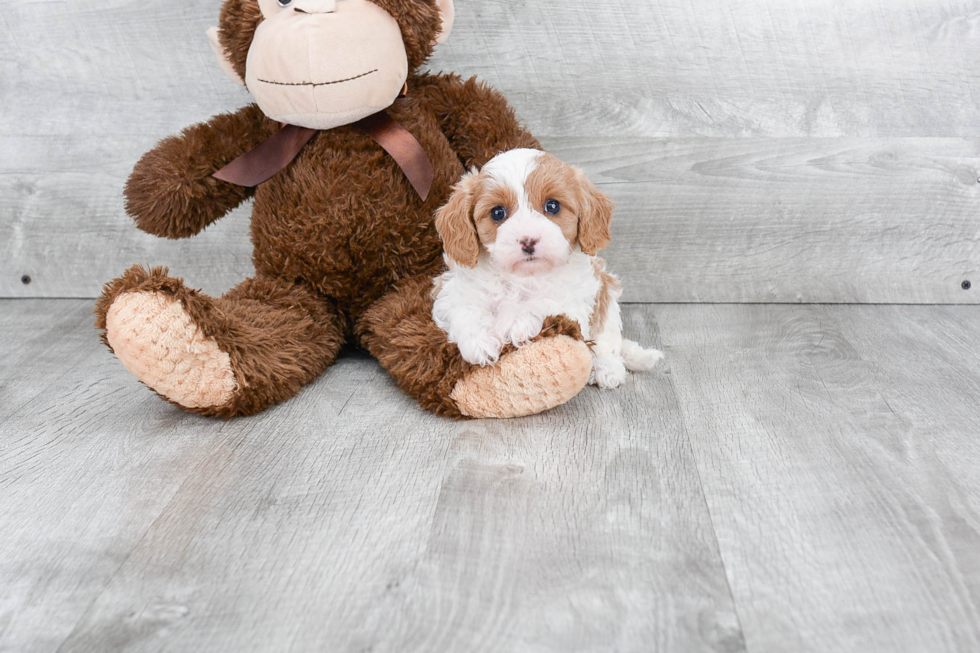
[237, 355]
[398, 330]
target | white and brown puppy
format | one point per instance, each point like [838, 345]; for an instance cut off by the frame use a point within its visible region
[520, 239]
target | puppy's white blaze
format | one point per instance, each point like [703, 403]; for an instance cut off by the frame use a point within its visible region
[512, 168]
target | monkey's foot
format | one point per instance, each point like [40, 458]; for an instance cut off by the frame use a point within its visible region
[156, 340]
[149, 329]
[255, 346]
[537, 377]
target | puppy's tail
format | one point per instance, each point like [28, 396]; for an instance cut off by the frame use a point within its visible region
[638, 359]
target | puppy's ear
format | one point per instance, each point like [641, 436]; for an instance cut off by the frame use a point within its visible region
[455, 225]
[595, 217]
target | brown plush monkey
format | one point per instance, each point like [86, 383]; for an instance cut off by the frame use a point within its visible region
[345, 249]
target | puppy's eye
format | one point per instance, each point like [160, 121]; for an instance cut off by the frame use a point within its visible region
[552, 207]
[498, 214]
[285, 3]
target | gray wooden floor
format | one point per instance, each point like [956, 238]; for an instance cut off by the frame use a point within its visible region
[799, 478]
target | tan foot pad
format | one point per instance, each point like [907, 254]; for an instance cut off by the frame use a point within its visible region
[157, 341]
[536, 377]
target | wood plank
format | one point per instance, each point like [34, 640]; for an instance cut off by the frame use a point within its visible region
[792, 220]
[836, 469]
[84, 91]
[348, 519]
[666, 68]
[38, 340]
[26, 325]
[699, 220]
[87, 461]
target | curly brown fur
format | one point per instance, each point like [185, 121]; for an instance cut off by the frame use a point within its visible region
[171, 192]
[398, 330]
[420, 23]
[278, 335]
[475, 118]
[236, 28]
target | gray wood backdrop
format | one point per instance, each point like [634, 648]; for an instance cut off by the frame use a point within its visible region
[758, 150]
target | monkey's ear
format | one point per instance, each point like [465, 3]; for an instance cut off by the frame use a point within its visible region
[595, 217]
[223, 61]
[448, 13]
[455, 225]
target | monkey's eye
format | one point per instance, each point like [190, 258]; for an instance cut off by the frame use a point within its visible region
[285, 3]
[552, 207]
[498, 214]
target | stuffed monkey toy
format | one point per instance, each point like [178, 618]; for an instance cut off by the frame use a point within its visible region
[348, 151]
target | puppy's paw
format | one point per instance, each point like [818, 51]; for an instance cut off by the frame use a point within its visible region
[608, 372]
[480, 349]
[639, 359]
[520, 329]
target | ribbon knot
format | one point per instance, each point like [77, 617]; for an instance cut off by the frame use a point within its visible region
[271, 156]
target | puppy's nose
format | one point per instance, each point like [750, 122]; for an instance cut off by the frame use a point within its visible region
[527, 245]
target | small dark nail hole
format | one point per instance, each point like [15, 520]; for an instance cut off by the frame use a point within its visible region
[26, 279]
[966, 285]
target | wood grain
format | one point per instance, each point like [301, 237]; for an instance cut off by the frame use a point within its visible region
[835, 448]
[698, 220]
[72, 503]
[817, 460]
[38, 339]
[880, 68]
[791, 220]
[347, 519]
[668, 68]
[755, 138]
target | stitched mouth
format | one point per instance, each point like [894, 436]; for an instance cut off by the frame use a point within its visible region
[315, 84]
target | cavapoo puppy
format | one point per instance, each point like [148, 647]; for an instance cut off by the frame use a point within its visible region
[520, 239]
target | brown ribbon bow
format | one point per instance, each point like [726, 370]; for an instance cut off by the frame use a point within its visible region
[271, 156]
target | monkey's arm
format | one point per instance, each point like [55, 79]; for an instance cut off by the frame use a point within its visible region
[475, 118]
[171, 192]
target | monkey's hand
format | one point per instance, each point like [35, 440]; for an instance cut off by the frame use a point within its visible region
[474, 117]
[171, 192]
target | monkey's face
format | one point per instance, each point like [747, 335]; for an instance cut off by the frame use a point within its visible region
[325, 63]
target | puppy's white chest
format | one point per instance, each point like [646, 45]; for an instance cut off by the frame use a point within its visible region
[524, 303]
